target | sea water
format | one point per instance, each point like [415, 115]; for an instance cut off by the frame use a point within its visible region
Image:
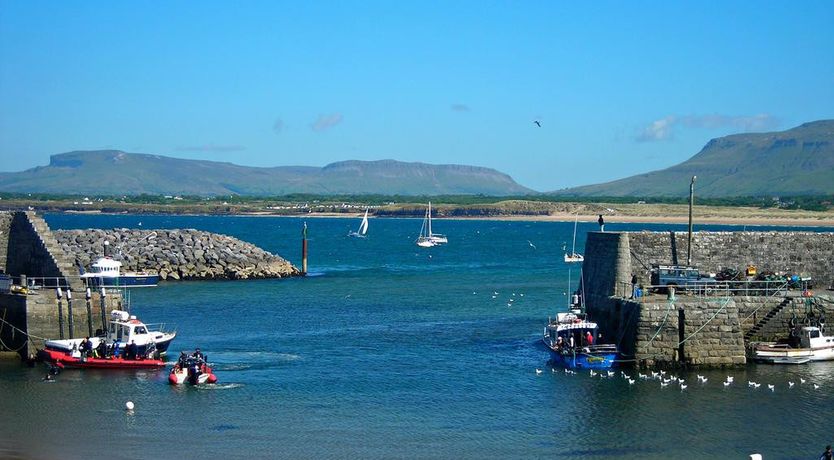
[388, 350]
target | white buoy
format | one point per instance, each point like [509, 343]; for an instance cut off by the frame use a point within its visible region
[755, 456]
[129, 405]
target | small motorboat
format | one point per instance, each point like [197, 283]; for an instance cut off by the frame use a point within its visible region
[571, 339]
[193, 370]
[63, 359]
[812, 346]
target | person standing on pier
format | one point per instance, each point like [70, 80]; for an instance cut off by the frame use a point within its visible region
[601, 223]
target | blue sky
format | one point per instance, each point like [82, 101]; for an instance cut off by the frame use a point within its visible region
[619, 87]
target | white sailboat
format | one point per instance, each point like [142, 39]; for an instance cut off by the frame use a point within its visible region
[427, 238]
[363, 227]
[424, 240]
[573, 256]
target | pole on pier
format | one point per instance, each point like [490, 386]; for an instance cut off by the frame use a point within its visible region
[70, 319]
[60, 313]
[88, 295]
[304, 250]
[103, 309]
[689, 238]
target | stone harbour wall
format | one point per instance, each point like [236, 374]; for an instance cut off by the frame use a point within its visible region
[701, 331]
[176, 254]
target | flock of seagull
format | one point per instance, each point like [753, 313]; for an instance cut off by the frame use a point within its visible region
[509, 301]
[666, 380]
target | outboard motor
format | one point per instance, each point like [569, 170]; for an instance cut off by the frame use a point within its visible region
[193, 372]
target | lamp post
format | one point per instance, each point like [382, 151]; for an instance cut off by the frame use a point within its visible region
[689, 239]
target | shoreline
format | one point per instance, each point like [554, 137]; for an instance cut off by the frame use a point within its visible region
[826, 220]
[609, 219]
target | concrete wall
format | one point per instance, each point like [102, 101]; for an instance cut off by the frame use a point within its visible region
[37, 315]
[5, 227]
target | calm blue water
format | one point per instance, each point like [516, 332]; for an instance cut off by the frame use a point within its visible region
[390, 350]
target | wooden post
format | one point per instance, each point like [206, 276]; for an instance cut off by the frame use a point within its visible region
[103, 309]
[60, 313]
[304, 250]
[87, 296]
[70, 319]
[691, 202]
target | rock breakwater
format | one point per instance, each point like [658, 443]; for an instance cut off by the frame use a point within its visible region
[175, 254]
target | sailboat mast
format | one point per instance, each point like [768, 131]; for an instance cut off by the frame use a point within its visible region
[429, 213]
[573, 249]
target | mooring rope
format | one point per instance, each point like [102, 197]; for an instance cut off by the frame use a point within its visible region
[31, 336]
[726, 302]
[663, 323]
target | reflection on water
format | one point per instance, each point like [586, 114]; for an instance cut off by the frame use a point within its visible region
[392, 353]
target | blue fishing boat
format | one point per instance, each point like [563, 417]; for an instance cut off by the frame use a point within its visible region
[572, 341]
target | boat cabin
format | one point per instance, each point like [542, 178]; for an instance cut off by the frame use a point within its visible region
[574, 326]
[106, 266]
[811, 337]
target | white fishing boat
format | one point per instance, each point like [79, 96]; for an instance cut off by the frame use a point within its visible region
[363, 227]
[122, 330]
[107, 272]
[427, 238]
[812, 346]
[573, 257]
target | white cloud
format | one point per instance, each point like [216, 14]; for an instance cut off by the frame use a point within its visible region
[325, 122]
[662, 129]
[210, 148]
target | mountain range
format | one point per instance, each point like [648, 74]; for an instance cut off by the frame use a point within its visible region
[798, 161]
[113, 172]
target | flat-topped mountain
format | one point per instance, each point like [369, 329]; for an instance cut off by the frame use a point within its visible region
[113, 172]
[799, 161]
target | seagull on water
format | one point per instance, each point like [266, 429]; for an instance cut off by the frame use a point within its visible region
[801, 380]
[538, 371]
[790, 384]
[726, 384]
[771, 387]
[683, 387]
[531, 244]
[816, 387]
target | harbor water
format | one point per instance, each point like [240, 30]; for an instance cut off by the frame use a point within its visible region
[388, 350]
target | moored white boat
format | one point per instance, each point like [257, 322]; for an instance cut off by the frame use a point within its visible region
[812, 346]
[428, 239]
[107, 272]
[122, 329]
[573, 257]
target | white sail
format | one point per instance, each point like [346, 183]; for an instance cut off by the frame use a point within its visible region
[435, 238]
[424, 240]
[573, 256]
[363, 227]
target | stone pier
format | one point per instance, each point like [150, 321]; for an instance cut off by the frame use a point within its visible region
[701, 331]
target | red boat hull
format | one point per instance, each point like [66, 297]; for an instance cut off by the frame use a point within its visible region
[62, 359]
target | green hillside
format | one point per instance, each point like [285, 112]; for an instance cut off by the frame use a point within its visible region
[111, 172]
[799, 161]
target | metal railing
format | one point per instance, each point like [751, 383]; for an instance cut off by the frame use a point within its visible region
[716, 289]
